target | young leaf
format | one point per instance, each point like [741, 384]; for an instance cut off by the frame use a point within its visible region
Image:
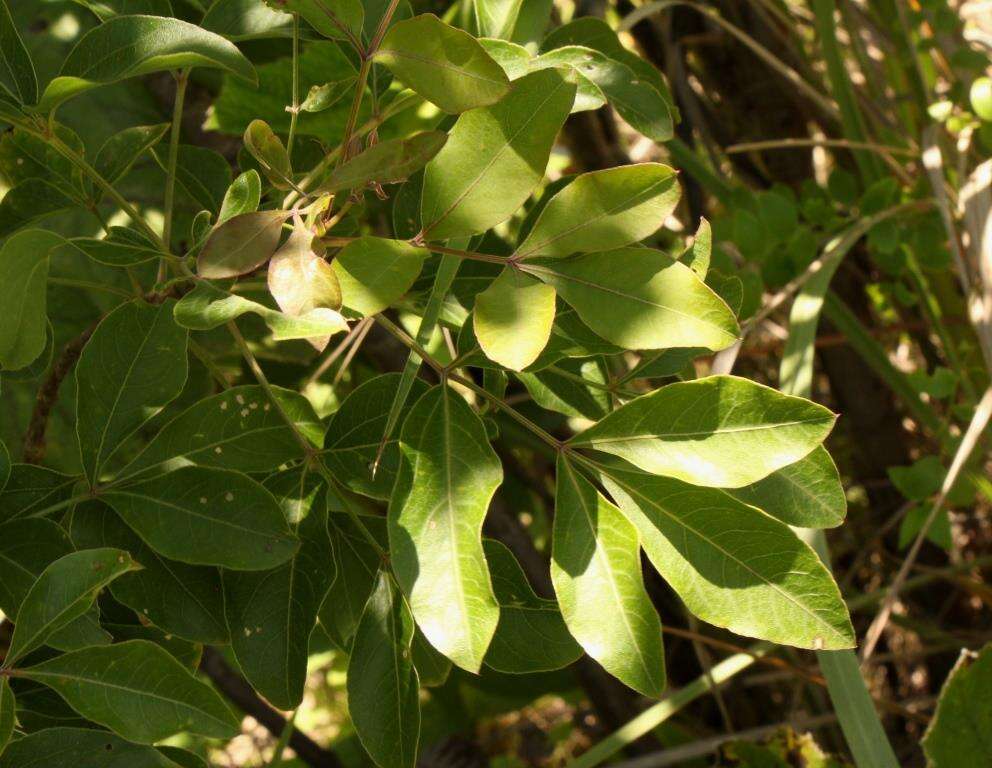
[494, 157]
[206, 516]
[596, 572]
[383, 687]
[63, 592]
[602, 210]
[8, 718]
[388, 162]
[241, 244]
[137, 690]
[513, 319]
[531, 635]
[321, 97]
[62, 747]
[807, 494]
[446, 66]
[243, 196]
[958, 734]
[132, 366]
[448, 474]
[207, 307]
[183, 600]
[299, 279]
[374, 273]
[272, 613]
[23, 276]
[721, 431]
[107, 53]
[732, 565]
[355, 430]
[269, 151]
[357, 565]
[120, 152]
[235, 429]
[17, 75]
[640, 298]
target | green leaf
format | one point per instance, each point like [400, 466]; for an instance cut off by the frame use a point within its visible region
[433, 669]
[640, 298]
[807, 494]
[531, 635]
[17, 75]
[325, 96]
[636, 100]
[299, 279]
[4, 465]
[23, 275]
[383, 688]
[357, 565]
[239, 20]
[183, 600]
[958, 735]
[720, 431]
[733, 566]
[596, 572]
[354, 432]
[243, 196]
[446, 66]
[107, 54]
[204, 175]
[31, 489]
[513, 319]
[206, 516]
[448, 474]
[556, 389]
[29, 201]
[388, 162]
[374, 273]
[207, 307]
[240, 244]
[138, 690]
[64, 591]
[602, 210]
[27, 547]
[120, 152]
[697, 255]
[270, 152]
[8, 718]
[235, 429]
[272, 613]
[494, 158]
[517, 21]
[133, 365]
[75, 747]
[122, 247]
[322, 15]
[25, 156]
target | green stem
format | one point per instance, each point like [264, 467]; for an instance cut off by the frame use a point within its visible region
[283, 742]
[294, 110]
[182, 79]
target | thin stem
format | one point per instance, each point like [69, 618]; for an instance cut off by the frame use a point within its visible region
[410, 343]
[294, 110]
[182, 79]
[356, 105]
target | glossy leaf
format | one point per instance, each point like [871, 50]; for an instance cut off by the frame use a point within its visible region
[138, 690]
[596, 572]
[513, 319]
[184, 600]
[531, 635]
[374, 273]
[807, 494]
[387, 162]
[64, 591]
[602, 210]
[447, 476]
[17, 75]
[732, 565]
[720, 431]
[23, 274]
[272, 613]
[241, 244]
[235, 429]
[354, 433]
[107, 54]
[206, 516]
[445, 65]
[270, 152]
[494, 158]
[640, 298]
[207, 307]
[243, 196]
[62, 747]
[383, 687]
[132, 366]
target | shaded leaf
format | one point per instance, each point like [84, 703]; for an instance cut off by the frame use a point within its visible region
[447, 476]
[958, 736]
[513, 319]
[120, 152]
[375, 273]
[17, 74]
[7, 716]
[720, 431]
[122, 247]
[137, 690]
[23, 275]
[239, 20]
[29, 201]
[329, 17]
[206, 516]
[270, 152]
[27, 547]
[388, 162]
[204, 175]
[31, 489]
[596, 572]
[243, 196]
[697, 255]
[241, 244]
[62, 747]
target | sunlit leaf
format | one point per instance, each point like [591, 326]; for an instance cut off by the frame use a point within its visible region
[374, 272]
[513, 319]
